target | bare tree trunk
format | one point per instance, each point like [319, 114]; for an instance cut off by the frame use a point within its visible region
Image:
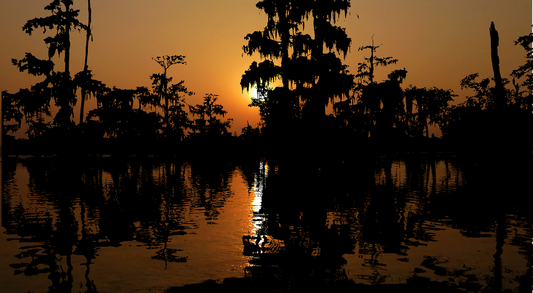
[67, 41]
[498, 91]
[371, 76]
[318, 52]
[63, 116]
[501, 234]
[285, 41]
[165, 93]
[85, 66]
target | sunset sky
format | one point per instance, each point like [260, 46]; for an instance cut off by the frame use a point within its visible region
[439, 42]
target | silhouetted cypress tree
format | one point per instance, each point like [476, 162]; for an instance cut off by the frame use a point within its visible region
[366, 69]
[310, 77]
[11, 110]
[172, 95]
[524, 100]
[208, 123]
[430, 105]
[372, 96]
[160, 81]
[63, 19]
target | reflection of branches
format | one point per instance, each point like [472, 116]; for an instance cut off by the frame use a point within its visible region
[56, 243]
[210, 181]
[163, 231]
[138, 198]
[375, 252]
[87, 247]
[31, 268]
[168, 219]
[167, 255]
[390, 217]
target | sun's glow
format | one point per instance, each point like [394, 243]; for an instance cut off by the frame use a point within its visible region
[253, 93]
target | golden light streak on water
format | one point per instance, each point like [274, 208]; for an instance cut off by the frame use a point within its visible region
[257, 192]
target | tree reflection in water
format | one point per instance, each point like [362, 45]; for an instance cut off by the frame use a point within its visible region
[76, 208]
[315, 214]
[315, 222]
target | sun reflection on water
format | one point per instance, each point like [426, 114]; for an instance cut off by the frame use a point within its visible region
[257, 192]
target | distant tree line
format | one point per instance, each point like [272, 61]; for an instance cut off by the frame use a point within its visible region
[135, 119]
[300, 75]
[306, 95]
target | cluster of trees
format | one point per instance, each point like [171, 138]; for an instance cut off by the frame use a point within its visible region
[311, 74]
[305, 91]
[141, 115]
[314, 78]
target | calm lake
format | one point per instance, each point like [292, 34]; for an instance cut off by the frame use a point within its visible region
[143, 225]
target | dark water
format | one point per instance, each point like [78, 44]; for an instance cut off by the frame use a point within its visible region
[144, 225]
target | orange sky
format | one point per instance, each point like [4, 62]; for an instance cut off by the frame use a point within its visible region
[438, 42]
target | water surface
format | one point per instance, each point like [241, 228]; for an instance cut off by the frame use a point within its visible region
[143, 225]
